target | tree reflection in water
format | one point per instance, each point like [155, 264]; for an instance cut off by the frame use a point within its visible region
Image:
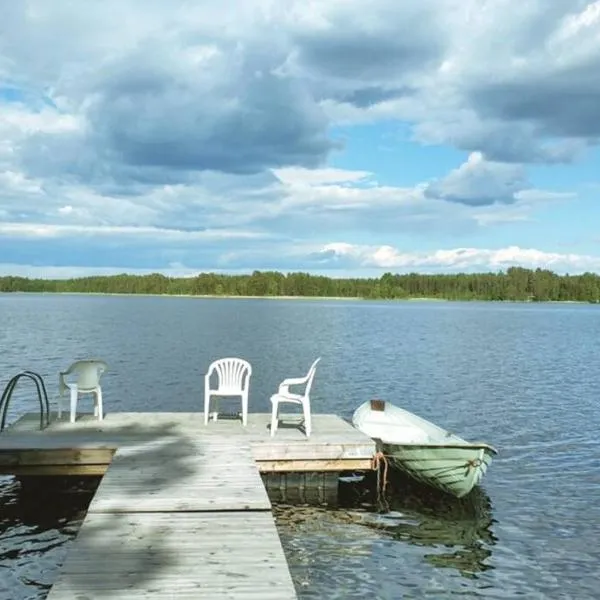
[460, 529]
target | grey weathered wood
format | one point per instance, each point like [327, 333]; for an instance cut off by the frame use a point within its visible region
[204, 476]
[334, 441]
[181, 555]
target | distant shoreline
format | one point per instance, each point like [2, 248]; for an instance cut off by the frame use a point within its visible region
[227, 296]
[308, 298]
[515, 285]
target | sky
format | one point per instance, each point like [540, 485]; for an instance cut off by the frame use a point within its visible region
[324, 136]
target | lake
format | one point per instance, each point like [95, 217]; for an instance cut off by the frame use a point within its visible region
[522, 377]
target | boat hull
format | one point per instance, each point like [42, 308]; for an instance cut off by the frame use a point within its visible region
[455, 470]
[423, 450]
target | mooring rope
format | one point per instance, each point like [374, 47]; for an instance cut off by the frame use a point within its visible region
[379, 463]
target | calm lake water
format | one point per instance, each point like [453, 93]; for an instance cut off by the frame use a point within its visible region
[523, 377]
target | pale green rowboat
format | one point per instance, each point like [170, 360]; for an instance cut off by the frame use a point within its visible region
[423, 450]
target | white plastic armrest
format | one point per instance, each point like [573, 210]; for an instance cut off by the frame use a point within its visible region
[294, 381]
[284, 386]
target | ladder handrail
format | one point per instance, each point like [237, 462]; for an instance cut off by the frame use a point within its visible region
[44, 396]
[41, 392]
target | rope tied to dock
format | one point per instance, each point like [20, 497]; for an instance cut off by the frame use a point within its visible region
[379, 463]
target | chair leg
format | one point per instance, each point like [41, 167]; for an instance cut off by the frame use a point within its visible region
[307, 419]
[274, 417]
[99, 408]
[74, 395]
[59, 402]
[244, 410]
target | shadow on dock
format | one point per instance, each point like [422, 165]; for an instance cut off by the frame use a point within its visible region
[37, 506]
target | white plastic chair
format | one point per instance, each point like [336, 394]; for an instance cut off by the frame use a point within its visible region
[87, 374]
[233, 379]
[284, 395]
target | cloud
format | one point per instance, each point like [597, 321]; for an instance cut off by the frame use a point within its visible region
[320, 201]
[169, 96]
[300, 176]
[453, 260]
[186, 88]
[229, 112]
[478, 182]
[67, 272]
[334, 259]
[532, 98]
[552, 85]
[148, 124]
[262, 218]
[369, 60]
[126, 248]
[39, 230]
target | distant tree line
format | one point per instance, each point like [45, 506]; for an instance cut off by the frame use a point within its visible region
[516, 284]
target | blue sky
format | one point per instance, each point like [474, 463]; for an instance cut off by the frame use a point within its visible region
[176, 137]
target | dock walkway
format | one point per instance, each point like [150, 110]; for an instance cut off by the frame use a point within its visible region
[181, 511]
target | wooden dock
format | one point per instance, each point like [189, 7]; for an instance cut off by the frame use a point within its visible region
[86, 447]
[181, 511]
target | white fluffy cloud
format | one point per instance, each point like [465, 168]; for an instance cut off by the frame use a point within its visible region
[339, 259]
[456, 259]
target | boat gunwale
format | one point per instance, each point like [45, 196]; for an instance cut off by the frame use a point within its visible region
[424, 424]
[466, 445]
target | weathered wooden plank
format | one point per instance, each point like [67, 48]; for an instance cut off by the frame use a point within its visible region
[54, 470]
[152, 477]
[195, 555]
[314, 451]
[343, 464]
[57, 456]
[172, 592]
[17, 441]
[47, 467]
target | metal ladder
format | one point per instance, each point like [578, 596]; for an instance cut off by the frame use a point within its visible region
[41, 393]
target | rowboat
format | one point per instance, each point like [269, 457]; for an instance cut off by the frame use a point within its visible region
[423, 450]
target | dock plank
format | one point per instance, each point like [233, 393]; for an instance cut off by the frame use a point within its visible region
[161, 555]
[150, 478]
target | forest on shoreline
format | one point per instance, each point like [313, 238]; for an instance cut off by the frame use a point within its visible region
[516, 284]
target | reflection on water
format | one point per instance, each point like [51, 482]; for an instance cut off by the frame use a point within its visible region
[460, 528]
[37, 517]
[361, 549]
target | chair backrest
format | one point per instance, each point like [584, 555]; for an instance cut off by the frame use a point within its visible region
[87, 373]
[233, 373]
[310, 377]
